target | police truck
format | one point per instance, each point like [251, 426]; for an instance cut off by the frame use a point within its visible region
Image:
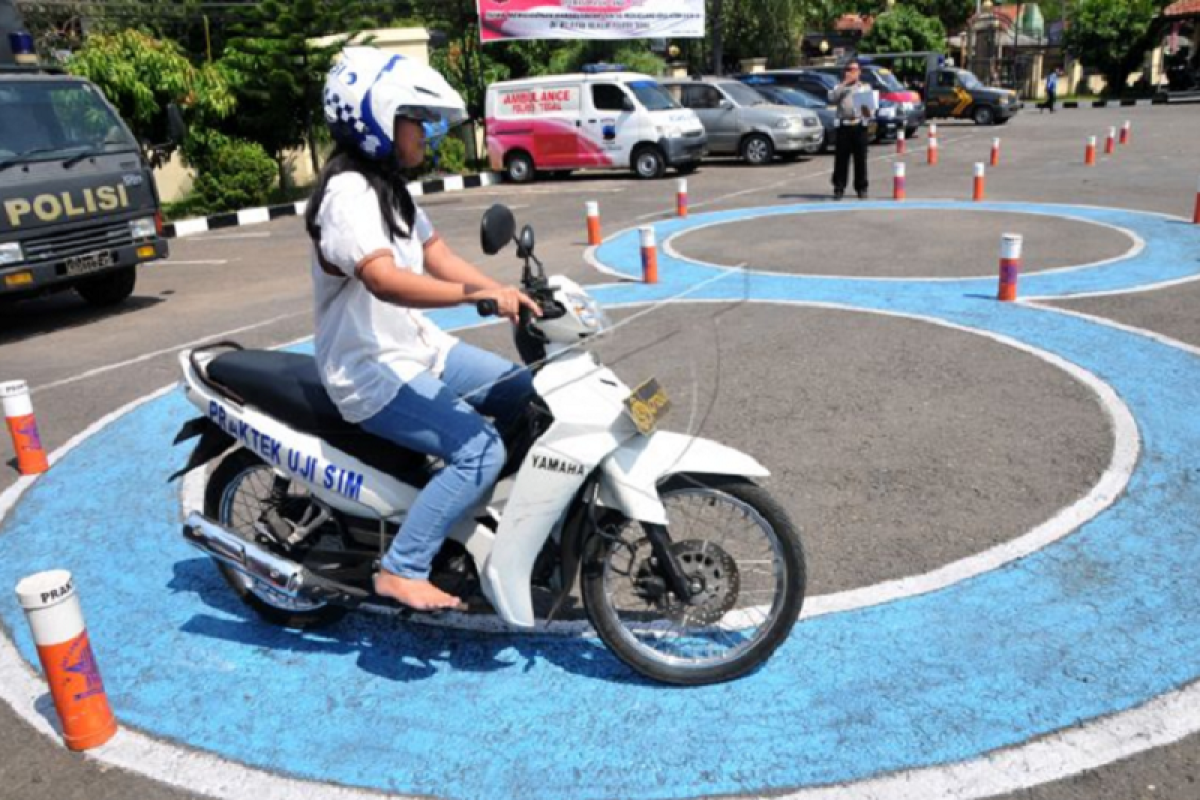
[78, 205]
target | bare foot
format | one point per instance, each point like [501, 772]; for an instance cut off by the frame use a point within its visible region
[419, 594]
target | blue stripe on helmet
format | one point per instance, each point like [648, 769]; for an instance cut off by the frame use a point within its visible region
[368, 116]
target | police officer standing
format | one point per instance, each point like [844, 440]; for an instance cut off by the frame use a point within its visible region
[852, 132]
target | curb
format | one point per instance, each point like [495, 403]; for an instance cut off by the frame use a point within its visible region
[253, 216]
[1156, 101]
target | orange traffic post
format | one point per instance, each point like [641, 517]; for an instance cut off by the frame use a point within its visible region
[996, 152]
[593, 222]
[1196, 213]
[1010, 266]
[52, 609]
[649, 255]
[1089, 155]
[932, 155]
[898, 180]
[681, 200]
[18, 414]
[978, 182]
[901, 145]
[1125, 129]
[1110, 143]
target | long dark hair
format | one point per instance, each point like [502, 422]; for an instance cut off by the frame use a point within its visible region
[385, 177]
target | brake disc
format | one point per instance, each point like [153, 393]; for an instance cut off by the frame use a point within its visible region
[712, 574]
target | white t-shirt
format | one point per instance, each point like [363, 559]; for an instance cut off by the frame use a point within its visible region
[366, 348]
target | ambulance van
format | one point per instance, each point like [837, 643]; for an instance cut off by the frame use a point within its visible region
[601, 118]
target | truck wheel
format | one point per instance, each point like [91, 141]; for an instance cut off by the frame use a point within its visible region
[984, 115]
[519, 167]
[758, 150]
[648, 162]
[109, 288]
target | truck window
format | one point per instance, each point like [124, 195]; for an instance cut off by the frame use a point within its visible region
[48, 120]
[608, 97]
[946, 80]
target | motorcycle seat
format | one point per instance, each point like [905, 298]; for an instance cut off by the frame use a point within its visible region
[287, 387]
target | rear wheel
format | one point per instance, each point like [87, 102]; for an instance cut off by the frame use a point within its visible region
[109, 288]
[241, 492]
[744, 563]
[518, 167]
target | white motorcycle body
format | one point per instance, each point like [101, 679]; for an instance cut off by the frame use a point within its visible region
[592, 432]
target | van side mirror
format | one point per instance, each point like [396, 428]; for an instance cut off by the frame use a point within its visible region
[176, 127]
[627, 104]
[725, 104]
[496, 229]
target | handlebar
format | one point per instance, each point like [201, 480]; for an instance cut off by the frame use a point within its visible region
[488, 308]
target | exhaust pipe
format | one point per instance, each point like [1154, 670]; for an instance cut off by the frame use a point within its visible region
[248, 558]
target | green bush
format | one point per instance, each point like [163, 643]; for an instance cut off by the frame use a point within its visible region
[450, 157]
[231, 174]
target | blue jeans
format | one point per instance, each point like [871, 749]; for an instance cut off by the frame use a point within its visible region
[430, 416]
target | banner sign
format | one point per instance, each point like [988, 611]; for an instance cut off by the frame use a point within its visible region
[501, 20]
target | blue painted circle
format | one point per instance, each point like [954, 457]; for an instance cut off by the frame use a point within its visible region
[1096, 623]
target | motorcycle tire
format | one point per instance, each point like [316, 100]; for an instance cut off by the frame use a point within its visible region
[238, 468]
[744, 497]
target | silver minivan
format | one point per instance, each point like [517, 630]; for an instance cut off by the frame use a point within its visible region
[741, 121]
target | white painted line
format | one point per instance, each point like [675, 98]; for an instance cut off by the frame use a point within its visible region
[1149, 287]
[91, 373]
[174, 263]
[252, 216]
[218, 237]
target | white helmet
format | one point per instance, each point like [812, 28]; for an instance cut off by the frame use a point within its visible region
[368, 89]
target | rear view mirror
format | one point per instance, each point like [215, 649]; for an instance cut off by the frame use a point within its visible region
[627, 104]
[726, 104]
[525, 242]
[497, 229]
[176, 127]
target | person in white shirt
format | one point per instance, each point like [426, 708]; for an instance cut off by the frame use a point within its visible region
[377, 262]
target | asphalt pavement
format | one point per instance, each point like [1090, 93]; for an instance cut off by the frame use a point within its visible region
[899, 446]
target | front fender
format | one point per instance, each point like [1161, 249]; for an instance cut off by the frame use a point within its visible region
[629, 477]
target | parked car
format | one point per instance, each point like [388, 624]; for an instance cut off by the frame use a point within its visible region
[741, 121]
[789, 96]
[615, 119]
[957, 93]
[887, 120]
[908, 109]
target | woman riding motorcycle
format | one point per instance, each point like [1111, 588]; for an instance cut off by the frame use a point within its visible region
[376, 262]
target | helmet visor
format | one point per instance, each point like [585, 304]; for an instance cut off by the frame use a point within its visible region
[437, 115]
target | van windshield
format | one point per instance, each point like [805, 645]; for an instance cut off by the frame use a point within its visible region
[49, 120]
[652, 95]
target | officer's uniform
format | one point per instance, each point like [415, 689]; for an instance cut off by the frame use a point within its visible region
[852, 134]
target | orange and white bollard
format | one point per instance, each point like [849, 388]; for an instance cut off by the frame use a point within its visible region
[901, 144]
[681, 199]
[1089, 155]
[932, 153]
[979, 178]
[1110, 143]
[649, 255]
[898, 180]
[995, 153]
[18, 414]
[593, 222]
[1196, 213]
[52, 609]
[1125, 132]
[1010, 266]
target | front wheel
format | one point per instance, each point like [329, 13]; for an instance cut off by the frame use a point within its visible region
[744, 563]
[109, 288]
[984, 115]
[758, 150]
[648, 163]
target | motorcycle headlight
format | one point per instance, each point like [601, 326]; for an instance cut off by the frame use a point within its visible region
[588, 311]
[143, 228]
[10, 253]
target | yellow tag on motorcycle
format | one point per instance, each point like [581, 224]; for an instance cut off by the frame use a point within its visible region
[647, 406]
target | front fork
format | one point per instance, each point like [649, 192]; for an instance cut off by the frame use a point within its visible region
[660, 545]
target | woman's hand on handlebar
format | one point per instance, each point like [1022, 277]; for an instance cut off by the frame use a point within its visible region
[508, 300]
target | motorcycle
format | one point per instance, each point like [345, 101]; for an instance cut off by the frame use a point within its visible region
[688, 570]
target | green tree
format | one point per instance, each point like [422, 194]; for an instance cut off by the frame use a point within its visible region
[1113, 36]
[141, 75]
[278, 71]
[902, 30]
